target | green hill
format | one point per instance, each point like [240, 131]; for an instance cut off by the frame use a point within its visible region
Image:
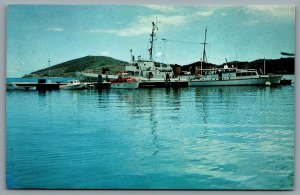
[90, 64]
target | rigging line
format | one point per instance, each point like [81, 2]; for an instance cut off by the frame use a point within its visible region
[161, 44]
[182, 41]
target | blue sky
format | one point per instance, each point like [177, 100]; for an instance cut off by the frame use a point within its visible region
[36, 33]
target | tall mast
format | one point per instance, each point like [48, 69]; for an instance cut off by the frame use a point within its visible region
[204, 53]
[236, 59]
[264, 66]
[131, 56]
[49, 67]
[152, 35]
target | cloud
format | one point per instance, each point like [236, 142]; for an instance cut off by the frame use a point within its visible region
[129, 31]
[55, 29]
[274, 10]
[171, 18]
[98, 30]
[162, 8]
[143, 25]
[205, 13]
[105, 53]
[208, 11]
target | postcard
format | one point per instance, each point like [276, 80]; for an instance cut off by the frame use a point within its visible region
[150, 97]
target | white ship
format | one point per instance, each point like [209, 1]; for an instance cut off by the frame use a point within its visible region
[150, 73]
[226, 76]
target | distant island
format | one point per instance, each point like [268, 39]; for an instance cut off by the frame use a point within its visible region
[90, 64]
[99, 64]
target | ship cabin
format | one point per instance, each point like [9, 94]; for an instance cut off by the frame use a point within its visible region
[148, 69]
[226, 74]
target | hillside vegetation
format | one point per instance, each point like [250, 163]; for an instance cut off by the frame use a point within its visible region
[91, 64]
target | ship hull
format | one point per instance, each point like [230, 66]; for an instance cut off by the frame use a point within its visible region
[161, 83]
[230, 82]
[131, 85]
[72, 87]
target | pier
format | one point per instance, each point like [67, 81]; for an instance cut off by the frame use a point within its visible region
[42, 85]
[39, 86]
[163, 84]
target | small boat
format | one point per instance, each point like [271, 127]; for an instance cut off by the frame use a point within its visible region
[124, 83]
[15, 86]
[72, 85]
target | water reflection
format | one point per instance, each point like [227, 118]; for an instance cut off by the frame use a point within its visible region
[176, 95]
[168, 90]
[103, 91]
[201, 104]
[153, 121]
[41, 93]
[154, 134]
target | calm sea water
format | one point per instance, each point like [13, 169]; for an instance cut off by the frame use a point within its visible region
[189, 138]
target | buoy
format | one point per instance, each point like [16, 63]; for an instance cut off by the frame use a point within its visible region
[268, 83]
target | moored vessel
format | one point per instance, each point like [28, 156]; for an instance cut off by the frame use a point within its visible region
[226, 76]
[16, 86]
[151, 74]
[72, 85]
[124, 82]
